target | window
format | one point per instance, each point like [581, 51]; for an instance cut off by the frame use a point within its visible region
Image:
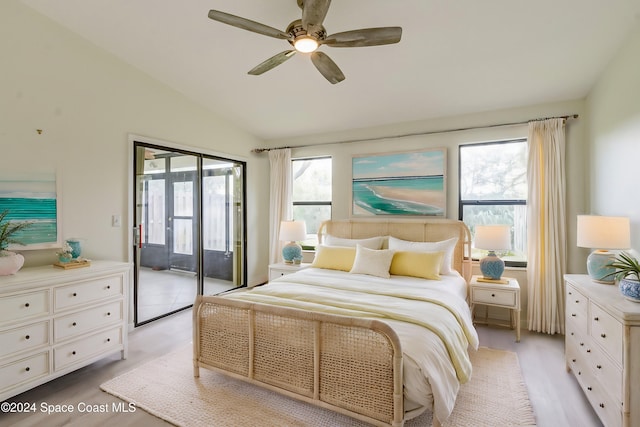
[312, 194]
[493, 190]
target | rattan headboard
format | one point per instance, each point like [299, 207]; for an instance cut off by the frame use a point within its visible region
[416, 230]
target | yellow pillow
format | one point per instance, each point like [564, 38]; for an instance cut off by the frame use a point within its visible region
[334, 257]
[417, 264]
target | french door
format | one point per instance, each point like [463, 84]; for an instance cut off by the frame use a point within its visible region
[189, 228]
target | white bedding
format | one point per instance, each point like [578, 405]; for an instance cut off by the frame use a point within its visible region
[433, 369]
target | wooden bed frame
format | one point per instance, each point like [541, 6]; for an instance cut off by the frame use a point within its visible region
[349, 365]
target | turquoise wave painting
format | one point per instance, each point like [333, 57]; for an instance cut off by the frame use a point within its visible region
[33, 198]
[399, 184]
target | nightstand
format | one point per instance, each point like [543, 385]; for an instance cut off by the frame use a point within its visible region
[496, 295]
[282, 269]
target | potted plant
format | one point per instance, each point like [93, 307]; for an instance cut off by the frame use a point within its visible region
[10, 262]
[628, 275]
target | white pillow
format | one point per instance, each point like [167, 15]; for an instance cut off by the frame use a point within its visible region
[372, 262]
[446, 246]
[370, 243]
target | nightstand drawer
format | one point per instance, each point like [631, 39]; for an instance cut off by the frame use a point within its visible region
[494, 296]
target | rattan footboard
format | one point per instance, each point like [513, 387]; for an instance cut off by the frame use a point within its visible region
[349, 365]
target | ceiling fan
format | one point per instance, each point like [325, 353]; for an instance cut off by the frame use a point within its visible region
[307, 34]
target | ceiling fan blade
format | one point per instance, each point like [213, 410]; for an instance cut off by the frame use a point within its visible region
[327, 67]
[247, 24]
[272, 62]
[364, 37]
[313, 14]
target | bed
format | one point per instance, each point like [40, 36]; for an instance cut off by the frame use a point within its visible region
[346, 337]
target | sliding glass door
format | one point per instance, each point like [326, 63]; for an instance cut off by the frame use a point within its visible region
[189, 228]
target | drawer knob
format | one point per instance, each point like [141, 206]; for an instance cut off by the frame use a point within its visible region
[493, 295]
[601, 405]
[73, 324]
[599, 366]
[571, 333]
[589, 388]
[573, 360]
[27, 369]
[573, 315]
[27, 337]
[581, 344]
[108, 313]
[108, 339]
[73, 352]
[108, 286]
[27, 305]
[577, 301]
[603, 335]
[75, 294]
[588, 350]
[596, 318]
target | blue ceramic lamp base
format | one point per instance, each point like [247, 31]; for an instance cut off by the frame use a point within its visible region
[292, 253]
[491, 266]
[599, 266]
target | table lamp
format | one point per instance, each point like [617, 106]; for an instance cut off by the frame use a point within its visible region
[292, 231]
[492, 238]
[602, 233]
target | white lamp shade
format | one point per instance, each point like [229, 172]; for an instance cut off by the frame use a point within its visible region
[292, 231]
[493, 237]
[603, 232]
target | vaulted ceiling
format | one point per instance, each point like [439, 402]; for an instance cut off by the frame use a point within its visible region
[455, 57]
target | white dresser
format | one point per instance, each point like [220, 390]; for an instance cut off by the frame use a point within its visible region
[54, 321]
[602, 348]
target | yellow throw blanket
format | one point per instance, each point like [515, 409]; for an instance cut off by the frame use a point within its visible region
[438, 310]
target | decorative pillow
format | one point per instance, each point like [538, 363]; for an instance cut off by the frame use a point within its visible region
[417, 264]
[370, 243]
[372, 262]
[447, 246]
[334, 257]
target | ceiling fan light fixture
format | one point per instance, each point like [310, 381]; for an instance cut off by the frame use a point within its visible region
[305, 44]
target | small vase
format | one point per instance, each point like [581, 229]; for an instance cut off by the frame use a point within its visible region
[76, 250]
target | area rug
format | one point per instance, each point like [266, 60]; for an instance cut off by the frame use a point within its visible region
[166, 388]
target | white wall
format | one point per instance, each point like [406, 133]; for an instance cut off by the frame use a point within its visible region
[87, 102]
[614, 136]
[342, 153]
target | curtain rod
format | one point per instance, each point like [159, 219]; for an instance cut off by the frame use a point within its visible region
[262, 150]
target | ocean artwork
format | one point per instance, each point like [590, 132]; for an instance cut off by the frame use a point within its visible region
[399, 184]
[32, 198]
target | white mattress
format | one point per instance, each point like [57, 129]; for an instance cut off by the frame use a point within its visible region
[429, 376]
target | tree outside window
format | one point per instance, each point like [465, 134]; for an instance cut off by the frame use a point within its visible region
[493, 190]
[312, 194]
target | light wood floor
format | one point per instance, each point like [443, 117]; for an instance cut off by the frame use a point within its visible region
[557, 401]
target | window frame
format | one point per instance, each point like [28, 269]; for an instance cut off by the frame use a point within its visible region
[489, 202]
[313, 202]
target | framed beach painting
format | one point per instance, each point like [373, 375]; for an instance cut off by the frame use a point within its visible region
[32, 197]
[403, 183]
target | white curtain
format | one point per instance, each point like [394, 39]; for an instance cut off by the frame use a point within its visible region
[546, 226]
[280, 205]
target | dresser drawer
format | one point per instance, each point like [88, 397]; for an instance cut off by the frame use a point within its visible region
[17, 308]
[607, 332]
[24, 338]
[609, 411]
[605, 371]
[24, 370]
[87, 347]
[78, 323]
[576, 308]
[494, 296]
[85, 292]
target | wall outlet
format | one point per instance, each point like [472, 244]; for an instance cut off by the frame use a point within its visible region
[116, 220]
